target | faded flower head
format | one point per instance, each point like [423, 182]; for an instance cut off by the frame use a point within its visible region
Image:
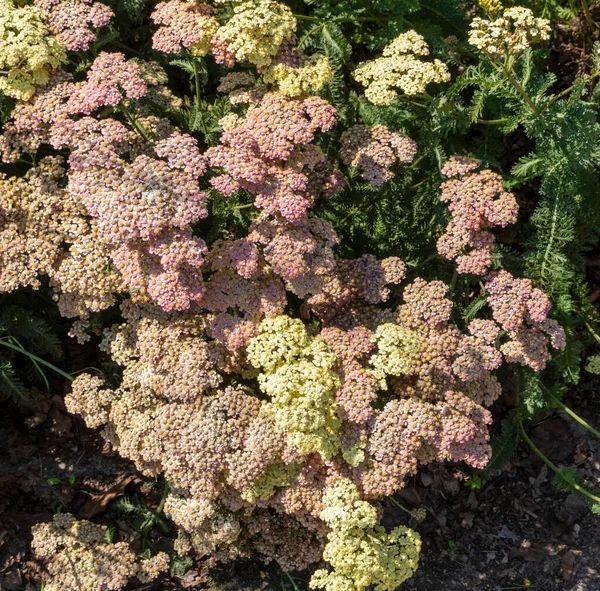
[184, 26]
[477, 202]
[78, 557]
[509, 34]
[374, 150]
[74, 21]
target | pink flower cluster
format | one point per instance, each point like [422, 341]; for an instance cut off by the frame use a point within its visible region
[73, 21]
[374, 150]
[522, 311]
[269, 154]
[477, 202]
[184, 26]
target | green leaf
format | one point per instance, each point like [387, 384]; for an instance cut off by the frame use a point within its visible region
[503, 447]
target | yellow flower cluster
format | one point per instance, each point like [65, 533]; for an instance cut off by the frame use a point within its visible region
[28, 52]
[305, 79]
[256, 31]
[593, 364]
[400, 68]
[360, 551]
[491, 6]
[298, 378]
[277, 475]
[396, 348]
[510, 34]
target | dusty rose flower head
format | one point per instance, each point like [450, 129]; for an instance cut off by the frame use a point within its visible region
[184, 25]
[374, 150]
[477, 203]
[73, 22]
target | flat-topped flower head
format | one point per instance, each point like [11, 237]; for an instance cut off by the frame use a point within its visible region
[401, 69]
[74, 22]
[509, 34]
[254, 33]
[184, 26]
[28, 51]
[477, 202]
[78, 557]
[374, 150]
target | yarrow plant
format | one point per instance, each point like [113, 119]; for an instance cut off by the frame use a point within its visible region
[306, 294]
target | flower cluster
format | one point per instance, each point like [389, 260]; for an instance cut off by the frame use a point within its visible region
[28, 51]
[254, 33]
[400, 68]
[396, 348]
[184, 26]
[374, 150]
[78, 557]
[360, 551]
[477, 202]
[491, 6]
[73, 22]
[298, 378]
[522, 311]
[277, 131]
[295, 74]
[509, 34]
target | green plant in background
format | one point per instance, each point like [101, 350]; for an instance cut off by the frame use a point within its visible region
[24, 338]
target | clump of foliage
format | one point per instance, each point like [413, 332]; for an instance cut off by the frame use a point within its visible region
[304, 217]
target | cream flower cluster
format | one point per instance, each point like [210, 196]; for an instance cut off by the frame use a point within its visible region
[491, 6]
[360, 551]
[28, 52]
[400, 69]
[305, 79]
[78, 558]
[298, 378]
[396, 348]
[510, 34]
[254, 33]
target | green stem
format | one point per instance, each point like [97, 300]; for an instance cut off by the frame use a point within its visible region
[592, 331]
[360, 19]
[35, 363]
[163, 500]
[588, 15]
[555, 469]
[520, 90]
[197, 83]
[36, 358]
[307, 35]
[133, 122]
[302, 17]
[127, 48]
[571, 413]
[542, 457]
[560, 95]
